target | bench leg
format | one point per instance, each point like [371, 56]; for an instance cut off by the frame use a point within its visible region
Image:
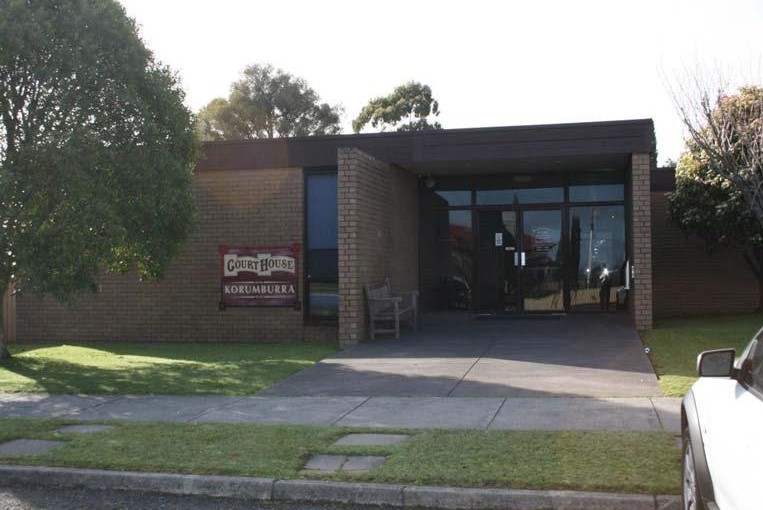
[397, 326]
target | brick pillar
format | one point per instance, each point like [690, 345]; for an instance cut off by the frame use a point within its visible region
[641, 240]
[378, 235]
[351, 320]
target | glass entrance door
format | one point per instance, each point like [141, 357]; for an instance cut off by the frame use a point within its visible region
[520, 260]
[542, 281]
[499, 261]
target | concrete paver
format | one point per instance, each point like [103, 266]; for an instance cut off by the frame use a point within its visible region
[458, 355]
[297, 410]
[148, 408]
[325, 463]
[428, 412]
[362, 463]
[669, 412]
[26, 405]
[371, 439]
[84, 429]
[618, 413]
[577, 414]
[28, 447]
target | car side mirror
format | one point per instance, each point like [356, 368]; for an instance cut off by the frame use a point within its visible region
[717, 363]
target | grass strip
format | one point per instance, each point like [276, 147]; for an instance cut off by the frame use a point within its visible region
[155, 369]
[642, 462]
[676, 343]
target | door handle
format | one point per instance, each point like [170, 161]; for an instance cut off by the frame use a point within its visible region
[523, 259]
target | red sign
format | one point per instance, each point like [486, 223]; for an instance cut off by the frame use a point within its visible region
[259, 276]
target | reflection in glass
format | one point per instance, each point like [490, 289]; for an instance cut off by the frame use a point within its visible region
[519, 196]
[453, 198]
[597, 193]
[597, 256]
[542, 277]
[454, 259]
[324, 299]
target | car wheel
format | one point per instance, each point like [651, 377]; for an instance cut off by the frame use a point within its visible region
[689, 492]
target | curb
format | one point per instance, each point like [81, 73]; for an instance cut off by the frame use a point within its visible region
[318, 491]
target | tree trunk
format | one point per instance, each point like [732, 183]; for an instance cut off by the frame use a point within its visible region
[4, 352]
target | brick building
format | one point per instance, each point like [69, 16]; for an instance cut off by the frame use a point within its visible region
[566, 218]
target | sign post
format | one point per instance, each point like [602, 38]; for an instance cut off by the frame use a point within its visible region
[259, 276]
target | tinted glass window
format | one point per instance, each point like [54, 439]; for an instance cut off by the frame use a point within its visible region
[447, 197]
[597, 193]
[602, 186]
[520, 189]
[756, 373]
[322, 223]
[322, 217]
[520, 196]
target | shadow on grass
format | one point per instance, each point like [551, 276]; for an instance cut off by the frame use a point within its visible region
[152, 369]
[675, 344]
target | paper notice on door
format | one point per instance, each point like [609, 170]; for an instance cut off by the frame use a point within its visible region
[499, 238]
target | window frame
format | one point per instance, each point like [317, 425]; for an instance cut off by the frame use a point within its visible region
[307, 318]
[751, 386]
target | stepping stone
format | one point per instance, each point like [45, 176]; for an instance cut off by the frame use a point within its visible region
[84, 429]
[334, 463]
[28, 447]
[360, 464]
[325, 463]
[371, 440]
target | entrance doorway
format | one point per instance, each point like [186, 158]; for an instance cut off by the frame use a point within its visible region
[520, 260]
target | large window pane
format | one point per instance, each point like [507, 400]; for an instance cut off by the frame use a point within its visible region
[324, 299]
[322, 223]
[322, 217]
[454, 260]
[607, 186]
[520, 189]
[597, 255]
[453, 197]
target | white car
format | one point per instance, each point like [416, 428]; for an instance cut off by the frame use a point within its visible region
[722, 431]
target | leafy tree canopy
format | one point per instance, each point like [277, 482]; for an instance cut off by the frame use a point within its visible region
[267, 103]
[408, 108]
[718, 177]
[96, 148]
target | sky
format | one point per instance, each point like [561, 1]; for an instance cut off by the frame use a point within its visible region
[488, 63]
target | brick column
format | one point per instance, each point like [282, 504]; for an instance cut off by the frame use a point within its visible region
[641, 240]
[378, 232]
[351, 324]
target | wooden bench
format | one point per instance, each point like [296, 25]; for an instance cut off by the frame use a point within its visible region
[386, 308]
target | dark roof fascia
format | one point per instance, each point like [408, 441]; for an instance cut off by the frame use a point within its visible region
[406, 148]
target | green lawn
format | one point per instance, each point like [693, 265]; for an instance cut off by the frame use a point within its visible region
[676, 343]
[644, 462]
[143, 368]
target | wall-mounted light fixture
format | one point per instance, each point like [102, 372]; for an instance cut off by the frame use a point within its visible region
[429, 182]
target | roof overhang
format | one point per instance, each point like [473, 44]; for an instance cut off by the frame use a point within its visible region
[480, 150]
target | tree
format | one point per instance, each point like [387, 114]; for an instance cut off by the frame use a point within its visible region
[410, 105]
[267, 103]
[718, 195]
[96, 149]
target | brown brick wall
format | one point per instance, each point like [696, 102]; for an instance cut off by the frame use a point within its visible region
[377, 235]
[247, 208]
[641, 241]
[690, 281]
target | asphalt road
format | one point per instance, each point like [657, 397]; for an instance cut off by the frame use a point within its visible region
[27, 498]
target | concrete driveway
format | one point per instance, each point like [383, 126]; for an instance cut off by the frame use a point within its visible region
[458, 355]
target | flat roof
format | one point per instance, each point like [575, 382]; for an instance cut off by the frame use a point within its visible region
[473, 150]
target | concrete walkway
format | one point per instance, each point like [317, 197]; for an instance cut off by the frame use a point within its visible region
[459, 355]
[493, 413]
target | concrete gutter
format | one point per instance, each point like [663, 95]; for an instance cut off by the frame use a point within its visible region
[318, 491]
